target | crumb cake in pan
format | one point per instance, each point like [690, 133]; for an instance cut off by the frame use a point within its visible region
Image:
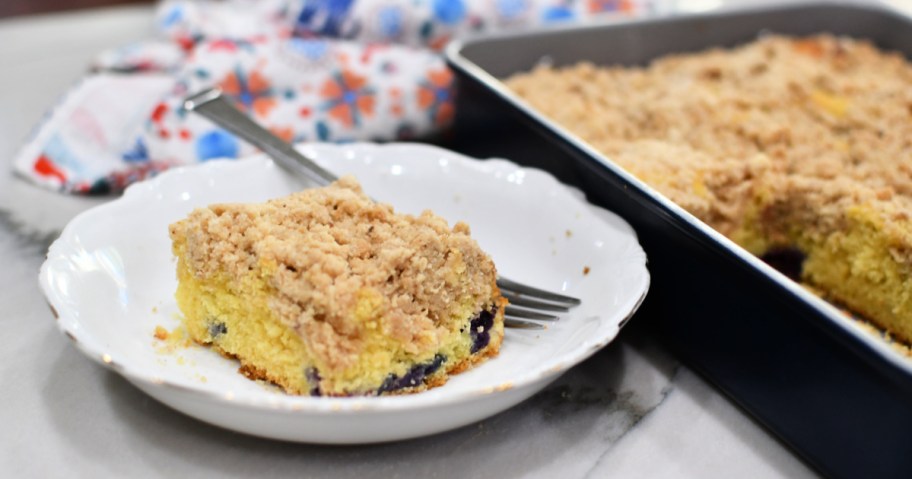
[326, 292]
[795, 145]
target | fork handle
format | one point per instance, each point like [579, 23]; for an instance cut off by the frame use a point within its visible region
[213, 105]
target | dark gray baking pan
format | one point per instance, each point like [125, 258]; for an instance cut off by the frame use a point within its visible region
[839, 396]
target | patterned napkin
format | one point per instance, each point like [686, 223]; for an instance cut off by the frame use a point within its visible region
[310, 70]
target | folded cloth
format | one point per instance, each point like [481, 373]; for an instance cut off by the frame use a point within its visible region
[310, 70]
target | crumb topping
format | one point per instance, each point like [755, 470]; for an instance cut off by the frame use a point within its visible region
[824, 122]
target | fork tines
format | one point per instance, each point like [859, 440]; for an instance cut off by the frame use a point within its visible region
[529, 303]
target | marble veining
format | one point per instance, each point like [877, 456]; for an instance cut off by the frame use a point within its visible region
[36, 213]
[21, 230]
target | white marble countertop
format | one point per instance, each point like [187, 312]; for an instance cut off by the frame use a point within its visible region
[629, 411]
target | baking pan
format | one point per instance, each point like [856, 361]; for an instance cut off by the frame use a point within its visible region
[839, 396]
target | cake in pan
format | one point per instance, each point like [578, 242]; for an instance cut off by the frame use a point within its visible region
[326, 292]
[797, 145]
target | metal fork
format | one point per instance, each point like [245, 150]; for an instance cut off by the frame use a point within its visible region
[527, 304]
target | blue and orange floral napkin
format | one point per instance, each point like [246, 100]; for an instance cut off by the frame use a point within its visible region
[310, 70]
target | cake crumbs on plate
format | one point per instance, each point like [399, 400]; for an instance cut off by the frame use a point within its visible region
[167, 342]
[161, 333]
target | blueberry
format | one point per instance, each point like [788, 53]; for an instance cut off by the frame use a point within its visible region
[217, 329]
[414, 377]
[313, 378]
[480, 330]
[788, 260]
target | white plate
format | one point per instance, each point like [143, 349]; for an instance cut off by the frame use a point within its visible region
[111, 280]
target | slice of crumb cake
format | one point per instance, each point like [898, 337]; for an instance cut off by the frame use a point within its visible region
[325, 292]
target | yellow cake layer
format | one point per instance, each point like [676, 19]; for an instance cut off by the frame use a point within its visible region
[269, 350]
